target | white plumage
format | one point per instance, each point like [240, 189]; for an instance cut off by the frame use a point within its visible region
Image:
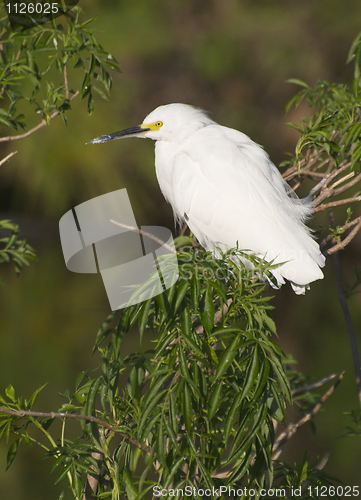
[229, 192]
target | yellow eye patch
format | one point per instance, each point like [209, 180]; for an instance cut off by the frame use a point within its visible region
[152, 126]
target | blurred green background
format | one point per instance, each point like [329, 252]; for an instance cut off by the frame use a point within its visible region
[232, 58]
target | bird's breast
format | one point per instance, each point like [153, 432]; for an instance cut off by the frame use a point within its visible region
[165, 153]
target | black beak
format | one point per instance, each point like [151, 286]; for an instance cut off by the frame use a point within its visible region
[128, 132]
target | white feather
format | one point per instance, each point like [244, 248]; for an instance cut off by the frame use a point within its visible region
[230, 193]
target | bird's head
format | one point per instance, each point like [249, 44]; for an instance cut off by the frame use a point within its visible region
[172, 122]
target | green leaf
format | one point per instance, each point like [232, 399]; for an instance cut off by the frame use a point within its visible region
[160, 443]
[186, 322]
[242, 429]
[10, 392]
[207, 310]
[215, 400]
[232, 416]
[79, 378]
[155, 387]
[12, 452]
[143, 317]
[173, 471]
[63, 472]
[103, 331]
[284, 383]
[263, 379]
[146, 411]
[227, 357]
[195, 293]
[259, 419]
[251, 373]
[90, 401]
[181, 292]
[193, 346]
[205, 474]
[187, 409]
[173, 413]
[131, 490]
[221, 292]
[183, 364]
[239, 471]
[59, 460]
[148, 427]
[181, 241]
[296, 81]
[33, 397]
[171, 433]
[132, 384]
[91, 103]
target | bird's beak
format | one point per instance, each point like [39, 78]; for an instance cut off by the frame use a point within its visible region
[137, 131]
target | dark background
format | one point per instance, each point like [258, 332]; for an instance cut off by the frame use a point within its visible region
[232, 58]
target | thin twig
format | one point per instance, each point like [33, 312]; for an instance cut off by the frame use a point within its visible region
[342, 244]
[25, 413]
[345, 227]
[66, 84]
[343, 179]
[325, 206]
[346, 312]
[328, 192]
[144, 233]
[349, 185]
[303, 390]
[318, 186]
[7, 157]
[293, 428]
[40, 125]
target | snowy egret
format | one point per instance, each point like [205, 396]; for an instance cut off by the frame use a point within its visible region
[229, 192]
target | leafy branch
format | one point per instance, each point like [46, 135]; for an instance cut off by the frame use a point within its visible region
[329, 153]
[22, 56]
[199, 408]
[13, 249]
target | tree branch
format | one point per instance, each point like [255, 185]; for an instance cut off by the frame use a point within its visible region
[302, 390]
[293, 428]
[113, 428]
[40, 125]
[342, 244]
[144, 233]
[66, 84]
[325, 206]
[10, 155]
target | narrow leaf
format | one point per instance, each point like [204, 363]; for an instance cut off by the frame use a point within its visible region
[227, 357]
[12, 452]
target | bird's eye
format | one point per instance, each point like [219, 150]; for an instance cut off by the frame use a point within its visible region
[159, 124]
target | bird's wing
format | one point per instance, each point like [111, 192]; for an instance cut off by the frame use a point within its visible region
[231, 193]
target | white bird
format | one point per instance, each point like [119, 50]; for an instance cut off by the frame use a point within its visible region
[229, 192]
